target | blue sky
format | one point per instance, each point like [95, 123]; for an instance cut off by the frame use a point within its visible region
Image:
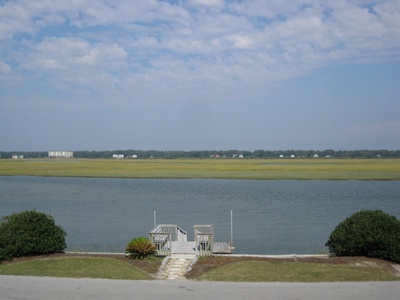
[199, 75]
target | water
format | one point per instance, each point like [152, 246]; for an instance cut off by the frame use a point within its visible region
[269, 217]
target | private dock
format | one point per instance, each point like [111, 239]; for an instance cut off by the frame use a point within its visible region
[180, 254]
[170, 239]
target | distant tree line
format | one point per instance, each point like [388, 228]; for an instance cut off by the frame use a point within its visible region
[144, 154]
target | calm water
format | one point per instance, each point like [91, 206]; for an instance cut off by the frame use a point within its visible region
[269, 217]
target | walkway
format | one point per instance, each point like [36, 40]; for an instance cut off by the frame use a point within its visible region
[183, 256]
[171, 241]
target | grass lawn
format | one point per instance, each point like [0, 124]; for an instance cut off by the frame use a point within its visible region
[293, 270]
[235, 269]
[82, 267]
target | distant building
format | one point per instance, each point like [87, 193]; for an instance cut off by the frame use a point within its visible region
[61, 154]
[118, 156]
[16, 156]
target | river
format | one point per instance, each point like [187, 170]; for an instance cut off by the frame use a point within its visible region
[269, 217]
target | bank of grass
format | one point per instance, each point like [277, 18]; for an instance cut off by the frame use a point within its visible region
[293, 272]
[263, 169]
[234, 269]
[277, 270]
[76, 267]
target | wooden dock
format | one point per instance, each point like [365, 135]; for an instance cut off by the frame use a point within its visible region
[222, 248]
[183, 248]
[190, 248]
[171, 239]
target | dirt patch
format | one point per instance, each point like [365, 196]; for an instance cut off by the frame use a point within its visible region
[206, 264]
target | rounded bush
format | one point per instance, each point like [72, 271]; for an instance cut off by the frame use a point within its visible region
[140, 248]
[30, 233]
[370, 233]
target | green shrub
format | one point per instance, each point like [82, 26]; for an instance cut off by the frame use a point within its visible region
[30, 233]
[367, 233]
[140, 248]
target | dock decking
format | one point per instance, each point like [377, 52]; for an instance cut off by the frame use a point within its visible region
[222, 248]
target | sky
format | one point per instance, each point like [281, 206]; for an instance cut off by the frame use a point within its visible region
[199, 75]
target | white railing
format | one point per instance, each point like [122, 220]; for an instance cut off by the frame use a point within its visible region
[161, 238]
[182, 235]
[164, 234]
[204, 238]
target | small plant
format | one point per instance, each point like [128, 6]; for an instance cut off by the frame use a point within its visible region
[30, 233]
[140, 248]
[367, 233]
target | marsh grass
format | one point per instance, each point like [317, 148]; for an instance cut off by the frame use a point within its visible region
[76, 267]
[263, 169]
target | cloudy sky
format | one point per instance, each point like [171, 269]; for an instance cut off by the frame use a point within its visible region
[199, 74]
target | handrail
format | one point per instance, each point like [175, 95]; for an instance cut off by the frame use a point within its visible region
[164, 234]
[182, 235]
[204, 238]
[181, 230]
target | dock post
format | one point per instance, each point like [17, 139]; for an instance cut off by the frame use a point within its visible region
[231, 231]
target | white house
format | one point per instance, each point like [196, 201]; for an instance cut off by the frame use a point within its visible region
[118, 156]
[61, 154]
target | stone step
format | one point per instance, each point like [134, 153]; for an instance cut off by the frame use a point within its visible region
[189, 256]
[176, 268]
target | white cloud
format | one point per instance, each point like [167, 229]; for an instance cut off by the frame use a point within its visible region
[14, 18]
[241, 41]
[197, 42]
[72, 53]
[5, 68]
[274, 10]
[207, 3]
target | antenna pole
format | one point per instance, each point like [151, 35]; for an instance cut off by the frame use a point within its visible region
[155, 218]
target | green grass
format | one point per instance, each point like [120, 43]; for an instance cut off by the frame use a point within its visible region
[240, 270]
[263, 169]
[282, 271]
[89, 267]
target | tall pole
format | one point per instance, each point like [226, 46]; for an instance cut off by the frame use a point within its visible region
[155, 218]
[231, 230]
